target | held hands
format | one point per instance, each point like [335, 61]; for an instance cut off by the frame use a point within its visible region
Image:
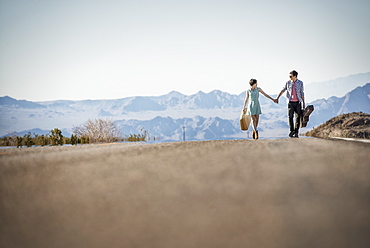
[275, 100]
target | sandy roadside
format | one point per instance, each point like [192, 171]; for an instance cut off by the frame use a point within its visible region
[240, 193]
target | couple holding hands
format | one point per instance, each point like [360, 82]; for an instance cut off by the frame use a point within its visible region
[295, 95]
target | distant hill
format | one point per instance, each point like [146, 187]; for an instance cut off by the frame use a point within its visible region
[167, 128]
[337, 87]
[356, 100]
[38, 131]
[352, 125]
[11, 102]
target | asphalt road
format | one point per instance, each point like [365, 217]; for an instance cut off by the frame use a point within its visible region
[243, 193]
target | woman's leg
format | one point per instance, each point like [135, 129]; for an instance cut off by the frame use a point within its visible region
[255, 125]
[252, 117]
[255, 119]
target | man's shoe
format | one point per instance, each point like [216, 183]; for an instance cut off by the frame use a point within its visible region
[296, 135]
[291, 134]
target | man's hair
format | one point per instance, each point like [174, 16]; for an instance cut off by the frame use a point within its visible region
[294, 73]
[252, 81]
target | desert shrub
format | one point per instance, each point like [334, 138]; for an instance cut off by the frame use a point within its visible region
[56, 137]
[74, 139]
[99, 130]
[28, 140]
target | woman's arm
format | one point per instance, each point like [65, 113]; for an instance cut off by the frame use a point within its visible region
[263, 93]
[246, 99]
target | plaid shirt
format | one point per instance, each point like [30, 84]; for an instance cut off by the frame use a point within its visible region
[298, 86]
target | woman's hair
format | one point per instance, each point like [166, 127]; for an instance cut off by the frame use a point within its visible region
[252, 82]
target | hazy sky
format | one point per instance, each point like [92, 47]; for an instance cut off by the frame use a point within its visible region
[107, 49]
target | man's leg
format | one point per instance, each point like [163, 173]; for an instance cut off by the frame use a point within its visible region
[291, 114]
[298, 115]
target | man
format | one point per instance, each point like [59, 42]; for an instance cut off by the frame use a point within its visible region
[295, 95]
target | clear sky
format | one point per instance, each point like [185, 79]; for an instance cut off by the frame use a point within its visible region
[107, 49]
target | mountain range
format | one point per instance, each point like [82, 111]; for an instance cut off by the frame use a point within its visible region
[336, 87]
[212, 115]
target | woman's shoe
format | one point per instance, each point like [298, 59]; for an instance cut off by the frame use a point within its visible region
[256, 135]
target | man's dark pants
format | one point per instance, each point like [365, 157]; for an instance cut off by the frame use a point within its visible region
[294, 107]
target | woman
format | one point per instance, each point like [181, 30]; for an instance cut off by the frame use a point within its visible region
[254, 108]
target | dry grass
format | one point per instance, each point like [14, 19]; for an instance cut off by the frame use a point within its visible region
[264, 193]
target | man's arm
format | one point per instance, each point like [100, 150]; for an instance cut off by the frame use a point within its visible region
[281, 92]
[302, 96]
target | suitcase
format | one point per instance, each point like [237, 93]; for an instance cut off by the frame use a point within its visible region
[245, 121]
[306, 115]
